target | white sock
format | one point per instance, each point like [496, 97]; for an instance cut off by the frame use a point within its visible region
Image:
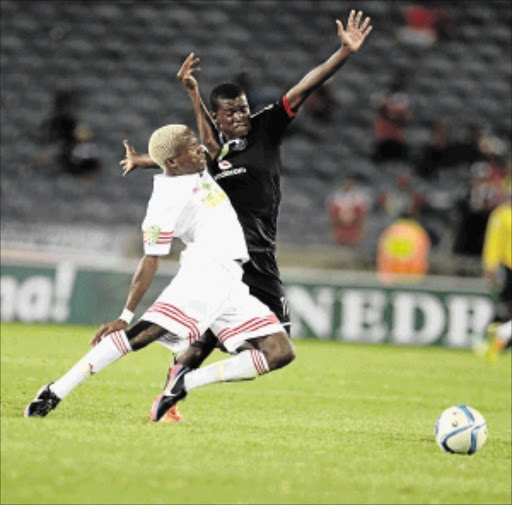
[244, 366]
[109, 350]
[504, 332]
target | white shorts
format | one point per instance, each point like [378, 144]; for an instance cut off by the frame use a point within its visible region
[209, 294]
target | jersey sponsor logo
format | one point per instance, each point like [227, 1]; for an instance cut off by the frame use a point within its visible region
[229, 173]
[213, 195]
[224, 164]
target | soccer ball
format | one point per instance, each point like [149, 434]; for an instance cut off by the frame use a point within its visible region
[461, 430]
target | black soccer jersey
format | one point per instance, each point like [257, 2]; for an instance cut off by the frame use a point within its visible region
[249, 169]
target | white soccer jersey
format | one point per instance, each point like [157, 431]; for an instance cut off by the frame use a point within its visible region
[195, 209]
[207, 292]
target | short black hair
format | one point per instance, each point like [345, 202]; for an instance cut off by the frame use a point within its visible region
[226, 90]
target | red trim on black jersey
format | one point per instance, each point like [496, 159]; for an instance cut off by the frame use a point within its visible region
[286, 106]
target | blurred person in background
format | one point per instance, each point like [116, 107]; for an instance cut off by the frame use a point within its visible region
[473, 211]
[433, 156]
[497, 266]
[77, 153]
[60, 126]
[402, 199]
[392, 117]
[423, 25]
[84, 161]
[348, 208]
[466, 150]
[249, 167]
[403, 251]
[498, 166]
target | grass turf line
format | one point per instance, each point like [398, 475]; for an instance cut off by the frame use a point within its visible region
[344, 423]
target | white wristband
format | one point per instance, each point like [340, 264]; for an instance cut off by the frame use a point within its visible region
[126, 316]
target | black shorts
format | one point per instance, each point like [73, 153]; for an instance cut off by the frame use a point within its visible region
[262, 276]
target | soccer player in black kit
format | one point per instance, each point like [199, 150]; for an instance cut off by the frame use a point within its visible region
[246, 149]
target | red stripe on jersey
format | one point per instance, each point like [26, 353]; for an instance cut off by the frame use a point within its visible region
[287, 108]
[179, 311]
[247, 327]
[164, 238]
[271, 319]
[226, 332]
[177, 315]
[193, 333]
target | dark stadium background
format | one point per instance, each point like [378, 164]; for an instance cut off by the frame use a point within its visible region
[121, 58]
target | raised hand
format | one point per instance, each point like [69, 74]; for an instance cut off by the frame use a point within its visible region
[354, 35]
[185, 73]
[129, 162]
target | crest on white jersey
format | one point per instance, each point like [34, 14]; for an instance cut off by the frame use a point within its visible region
[152, 234]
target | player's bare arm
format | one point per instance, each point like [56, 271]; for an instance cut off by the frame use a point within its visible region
[140, 283]
[132, 159]
[205, 124]
[351, 40]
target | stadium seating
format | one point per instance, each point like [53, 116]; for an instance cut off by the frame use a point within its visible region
[122, 58]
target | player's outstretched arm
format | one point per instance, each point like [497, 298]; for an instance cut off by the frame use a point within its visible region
[204, 121]
[140, 283]
[132, 159]
[351, 40]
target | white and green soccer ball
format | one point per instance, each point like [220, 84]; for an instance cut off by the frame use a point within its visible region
[461, 430]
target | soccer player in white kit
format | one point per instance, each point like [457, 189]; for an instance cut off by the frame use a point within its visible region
[207, 292]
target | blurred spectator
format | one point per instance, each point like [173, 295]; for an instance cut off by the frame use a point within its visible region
[441, 152]
[76, 152]
[59, 128]
[403, 252]
[391, 120]
[495, 152]
[348, 208]
[402, 200]
[84, 160]
[473, 211]
[466, 150]
[320, 104]
[423, 25]
[433, 156]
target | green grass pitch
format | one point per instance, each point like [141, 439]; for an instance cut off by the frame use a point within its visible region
[344, 423]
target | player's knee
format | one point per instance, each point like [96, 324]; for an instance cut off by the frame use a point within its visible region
[288, 352]
[278, 350]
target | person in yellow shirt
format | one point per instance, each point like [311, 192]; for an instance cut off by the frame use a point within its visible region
[497, 266]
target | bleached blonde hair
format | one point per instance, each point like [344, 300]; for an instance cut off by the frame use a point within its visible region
[165, 142]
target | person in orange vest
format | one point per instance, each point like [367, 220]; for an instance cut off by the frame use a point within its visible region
[403, 252]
